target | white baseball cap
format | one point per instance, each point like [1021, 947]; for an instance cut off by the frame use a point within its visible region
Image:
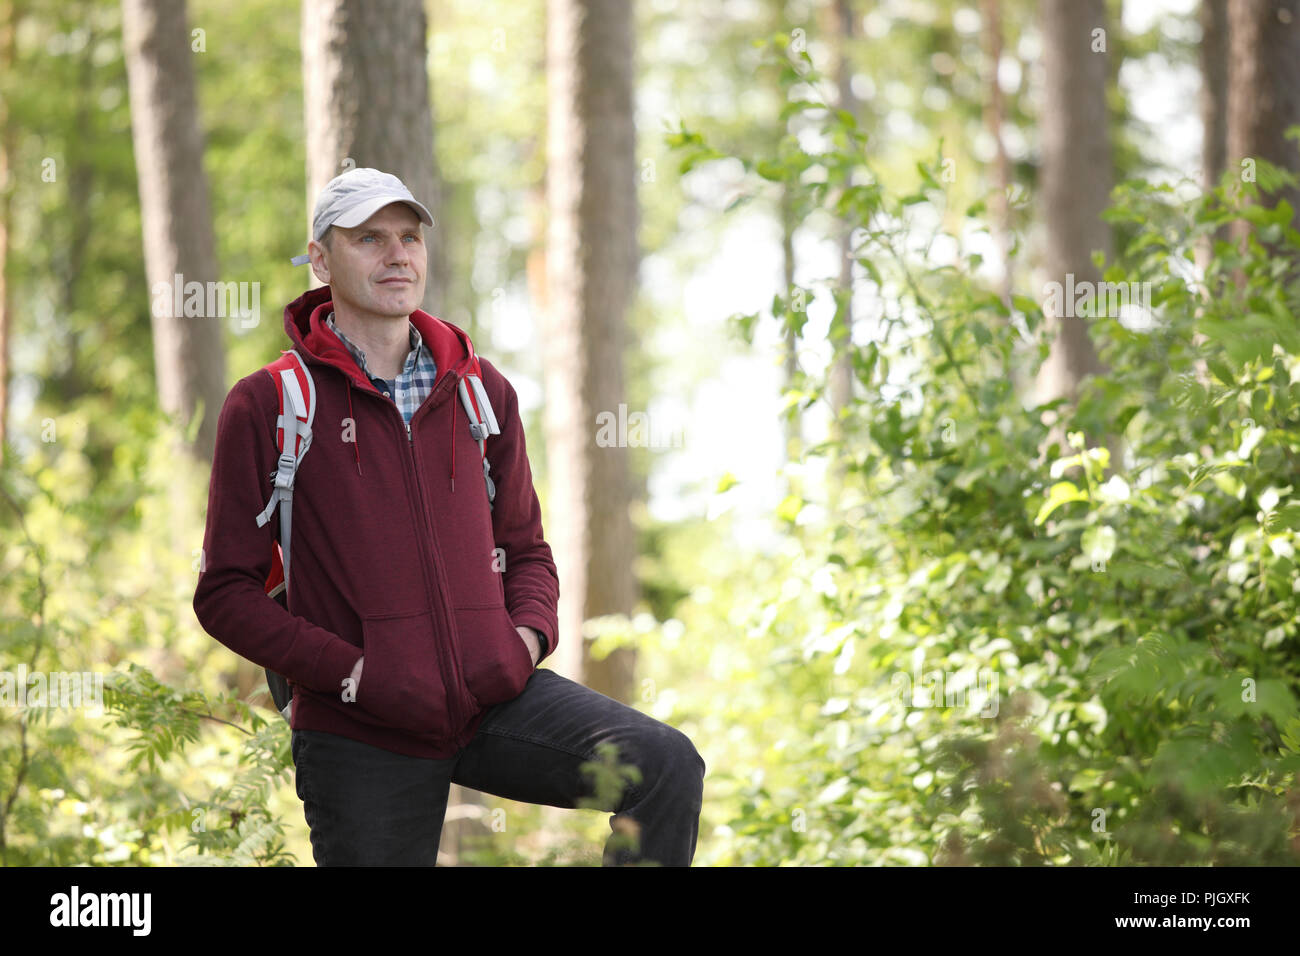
[353, 197]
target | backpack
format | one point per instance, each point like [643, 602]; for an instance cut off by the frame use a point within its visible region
[297, 394]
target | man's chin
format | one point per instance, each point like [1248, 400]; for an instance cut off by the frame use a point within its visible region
[399, 306]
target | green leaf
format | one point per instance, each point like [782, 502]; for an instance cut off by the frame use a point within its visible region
[789, 509]
[1063, 492]
[1221, 370]
[1285, 518]
[864, 361]
[1023, 303]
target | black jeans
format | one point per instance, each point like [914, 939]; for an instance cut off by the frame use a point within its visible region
[371, 807]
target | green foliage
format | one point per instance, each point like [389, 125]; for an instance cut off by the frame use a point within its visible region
[998, 650]
[235, 824]
[136, 770]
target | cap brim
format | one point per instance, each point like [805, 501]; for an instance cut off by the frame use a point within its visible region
[359, 214]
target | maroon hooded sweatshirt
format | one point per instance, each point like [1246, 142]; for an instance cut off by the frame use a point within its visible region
[395, 551]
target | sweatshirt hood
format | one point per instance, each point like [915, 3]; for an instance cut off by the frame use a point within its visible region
[452, 350]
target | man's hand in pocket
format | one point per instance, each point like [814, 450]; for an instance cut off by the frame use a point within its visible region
[530, 638]
[355, 678]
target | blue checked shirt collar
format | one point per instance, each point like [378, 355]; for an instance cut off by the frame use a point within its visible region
[412, 385]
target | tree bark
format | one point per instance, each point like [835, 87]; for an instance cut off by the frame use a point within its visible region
[994, 116]
[1213, 56]
[1076, 179]
[842, 28]
[591, 272]
[1264, 86]
[841, 373]
[793, 423]
[8, 56]
[366, 89]
[176, 216]
[1214, 89]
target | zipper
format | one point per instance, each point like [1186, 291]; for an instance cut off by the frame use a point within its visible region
[455, 710]
[457, 705]
[462, 712]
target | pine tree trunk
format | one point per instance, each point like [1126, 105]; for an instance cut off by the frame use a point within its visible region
[777, 19]
[840, 19]
[793, 424]
[591, 273]
[1264, 86]
[1213, 56]
[189, 356]
[366, 89]
[1214, 89]
[8, 33]
[1076, 179]
[995, 114]
[841, 372]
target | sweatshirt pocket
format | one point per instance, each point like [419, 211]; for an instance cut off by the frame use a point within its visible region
[401, 680]
[496, 660]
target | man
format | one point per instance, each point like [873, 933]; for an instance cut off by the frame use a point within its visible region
[418, 610]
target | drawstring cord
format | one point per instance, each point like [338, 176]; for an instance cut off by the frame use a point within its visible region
[356, 445]
[451, 435]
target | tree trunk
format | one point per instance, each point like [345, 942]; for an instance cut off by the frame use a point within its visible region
[1264, 86]
[366, 89]
[1076, 179]
[995, 115]
[793, 423]
[841, 332]
[841, 27]
[1214, 90]
[1213, 55]
[177, 220]
[591, 272]
[8, 56]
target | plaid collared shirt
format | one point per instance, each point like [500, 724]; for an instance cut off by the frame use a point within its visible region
[412, 385]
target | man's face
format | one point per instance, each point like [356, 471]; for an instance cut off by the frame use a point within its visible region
[376, 269]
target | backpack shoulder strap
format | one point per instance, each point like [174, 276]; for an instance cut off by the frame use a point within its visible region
[297, 394]
[482, 422]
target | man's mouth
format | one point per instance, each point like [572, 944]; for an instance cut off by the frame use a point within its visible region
[395, 280]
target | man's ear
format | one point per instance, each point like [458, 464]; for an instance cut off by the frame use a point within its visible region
[318, 265]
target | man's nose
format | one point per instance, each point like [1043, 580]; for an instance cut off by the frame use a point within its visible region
[397, 253]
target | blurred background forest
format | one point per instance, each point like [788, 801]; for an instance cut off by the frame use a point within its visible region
[953, 512]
